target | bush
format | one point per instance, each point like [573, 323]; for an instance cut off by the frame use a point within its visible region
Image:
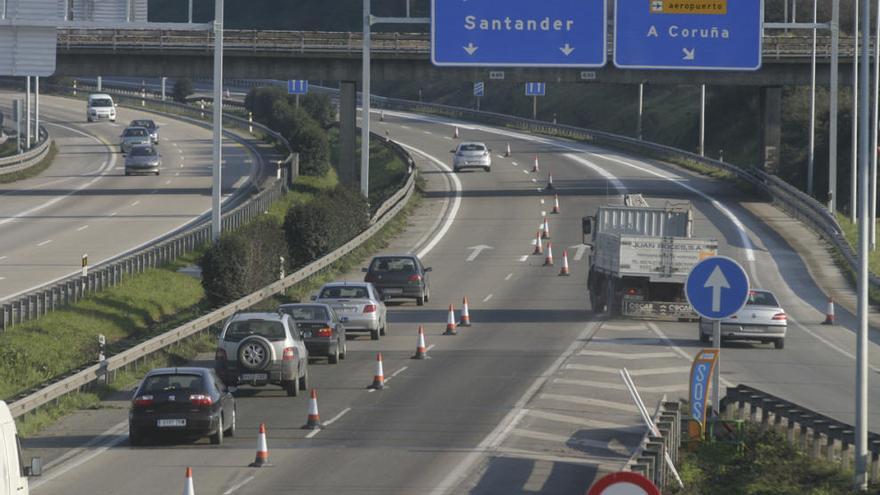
[243, 262]
[262, 102]
[183, 87]
[313, 146]
[319, 107]
[357, 211]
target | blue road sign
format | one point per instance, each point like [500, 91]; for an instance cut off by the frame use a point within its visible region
[479, 88]
[717, 287]
[297, 86]
[688, 34]
[519, 33]
[535, 89]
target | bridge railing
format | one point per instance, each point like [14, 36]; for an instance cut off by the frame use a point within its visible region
[26, 159]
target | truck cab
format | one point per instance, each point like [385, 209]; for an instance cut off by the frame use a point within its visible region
[13, 472]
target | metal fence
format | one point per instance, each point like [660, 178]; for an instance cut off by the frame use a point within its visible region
[649, 459]
[29, 158]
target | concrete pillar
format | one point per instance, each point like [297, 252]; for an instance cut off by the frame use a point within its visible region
[349, 166]
[771, 127]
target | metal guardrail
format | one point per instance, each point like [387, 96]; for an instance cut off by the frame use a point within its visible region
[816, 434]
[29, 158]
[649, 459]
[776, 45]
[68, 290]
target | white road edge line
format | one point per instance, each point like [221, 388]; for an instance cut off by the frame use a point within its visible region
[84, 227]
[119, 438]
[44, 243]
[245, 481]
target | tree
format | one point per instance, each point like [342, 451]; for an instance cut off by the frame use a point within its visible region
[263, 101]
[320, 108]
[183, 87]
[311, 142]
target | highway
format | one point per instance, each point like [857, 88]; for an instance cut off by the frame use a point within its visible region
[528, 399]
[84, 204]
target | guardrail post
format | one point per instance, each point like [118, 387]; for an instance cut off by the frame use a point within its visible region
[4, 320]
[791, 418]
[766, 405]
[656, 448]
[831, 433]
[816, 448]
[845, 454]
[650, 464]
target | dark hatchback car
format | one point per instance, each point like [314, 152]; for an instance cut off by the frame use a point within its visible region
[400, 277]
[184, 402]
[321, 327]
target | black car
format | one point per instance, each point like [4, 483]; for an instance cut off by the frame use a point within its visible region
[322, 329]
[150, 126]
[400, 277]
[187, 402]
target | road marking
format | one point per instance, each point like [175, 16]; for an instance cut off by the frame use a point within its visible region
[681, 352]
[534, 180]
[581, 421]
[405, 127]
[508, 277]
[580, 249]
[330, 421]
[525, 171]
[426, 132]
[625, 355]
[616, 371]
[515, 164]
[487, 298]
[44, 243]
[447, 137]
[116, 434]
[587, 401]
[500, 156]
[136, 203]
[430, 347]
[401, 370]
[154, 191]
[620, 385]
[540, 473]
[542, 202]
[113, 214]
[542, 456]
[235, 487]
[522, 259]
[494, 439]
[177, 174]
[476, 251]
[174, 144]
[563, 439]
[3, 257]
[168, 181]
[2, 278]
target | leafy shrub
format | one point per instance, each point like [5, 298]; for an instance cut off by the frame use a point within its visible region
[183, 87]
[311, 142]
[262, 101]
[319, 107]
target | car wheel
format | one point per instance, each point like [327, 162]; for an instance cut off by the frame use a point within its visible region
[135, 438]
[374, 335]
[382, 330]
[779, 343]
[157, 174]
[292, 388]
[304, 380]
[487, 169]
[333, 358]
[230, 432]
[420, 301]
[427, 295]
[217, 438]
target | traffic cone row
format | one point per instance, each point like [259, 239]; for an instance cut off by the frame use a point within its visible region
[548, 260]
[379, 376]
[314, 420]
[829, 313]
[421, 350]
[465, 315]
[556, 209]
[262, 459]
[188, 483]
[564, 271]
[450, 322]
[539, 249]
[545, 233]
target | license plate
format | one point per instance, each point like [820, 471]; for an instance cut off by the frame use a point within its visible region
[307, 334]
[350, 309]
[170, 423]
[393, 291]
[249, 377]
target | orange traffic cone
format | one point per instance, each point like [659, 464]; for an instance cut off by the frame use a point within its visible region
[421, 351]
[455, 134]
[548, 260]
[507, 153]
[450, 322]
[550, 182]
[829, 314]
[379, 376]
[262, 459]
[314, 421]
[188, 483]
[535, 167]
[539, 248]
[556, 209]
[564, 272]
[465, 316]
[545, 234]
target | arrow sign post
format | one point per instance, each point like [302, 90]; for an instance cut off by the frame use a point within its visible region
[717, 288]
[476, 251]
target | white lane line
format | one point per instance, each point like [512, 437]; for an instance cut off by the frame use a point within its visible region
[681, 352]
[330, 421]
[456, 203]
[494, 439]
[500, 156]
[2, 278]
[578, 420]
[508, 277]
[117, 435]
[44, 243]
[515, 164]
[534, 180]
[522, 259]
[136, 203]
[401, 370]
[543, 456]
[587, 401]
[487, 298]
[113, 214]
[525, 171]
[430, 347]
[447, 137]
[245, 481]
[626, 355]
[405, 127]
[84, 227]
[543, 213]
[168, 181]
[174, 144]
[177, 174]
[426, 132]
[3, 257]
[616, 371]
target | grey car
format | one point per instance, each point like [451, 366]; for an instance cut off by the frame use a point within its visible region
[399, 277]
[360, 302]
[132, 136]
[261, 349]
[322, 329]
[143, 159]
[150, 126]
[472, 155]
[762, 319]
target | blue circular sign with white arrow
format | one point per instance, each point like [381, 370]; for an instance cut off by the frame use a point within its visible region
[717, 287]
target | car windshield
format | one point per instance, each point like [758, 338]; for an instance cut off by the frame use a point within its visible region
[400, 265]
[135, 132]
[300, 313]
[172, 383]
[143, 151]
[344, 293]
[761, 298]
[238, 330]
[472, 147]
[147, 124]
[102, 102]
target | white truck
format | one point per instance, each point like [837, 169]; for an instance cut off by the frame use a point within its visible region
[13, 473]
[640, 257]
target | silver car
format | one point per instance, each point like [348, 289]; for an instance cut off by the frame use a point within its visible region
[143, 159]
[149, 125]
[472, 155]
[132, 136]
[360, 302]
[260, 349]
[762, 319]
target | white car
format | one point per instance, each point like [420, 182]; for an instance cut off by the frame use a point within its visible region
[100, 106]
[359, 302]
[472, 155]
[762, 319]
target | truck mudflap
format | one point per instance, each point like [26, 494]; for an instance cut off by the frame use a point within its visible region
[658, 310]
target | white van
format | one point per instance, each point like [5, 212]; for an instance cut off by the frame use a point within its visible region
[100, 106]
[13, 473]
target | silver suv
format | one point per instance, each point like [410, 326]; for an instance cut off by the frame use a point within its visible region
[260, 349]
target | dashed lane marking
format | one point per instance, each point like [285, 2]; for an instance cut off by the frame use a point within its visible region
[330, 421]
[487, 298]
[84, 227]
[515, 164]
[136, 203]
[616, 371]
[630, 356]
[508, 277]
[4, 257]
[430, 347]
[522, 259]
[245, 481]
[44, 243]
[113, 214]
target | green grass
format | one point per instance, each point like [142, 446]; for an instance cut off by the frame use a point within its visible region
[34, 171]
[8, 148]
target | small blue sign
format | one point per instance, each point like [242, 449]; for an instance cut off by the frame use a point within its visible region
[717, 287]
[297, 86]
[688, 34]
[535, 89]
[701, 372]
[479, 88]
[519, 33]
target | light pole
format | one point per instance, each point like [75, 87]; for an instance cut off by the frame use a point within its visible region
[832, 106]
[365, 104]
[217, 156]
[641, 109]
[811, 155]
[702, 120]
[874, 129]
[853, 175]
